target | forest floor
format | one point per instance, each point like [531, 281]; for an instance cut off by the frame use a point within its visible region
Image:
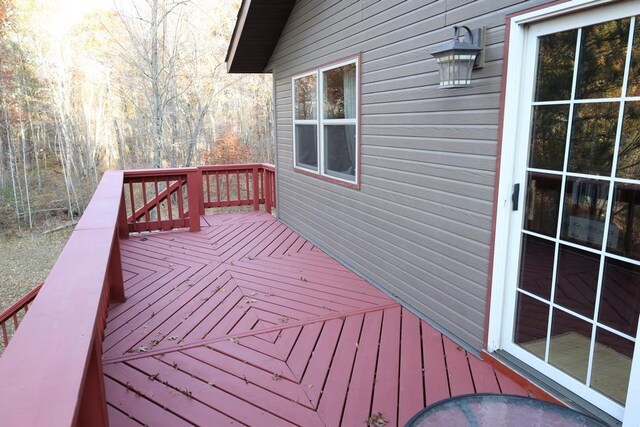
[25, 261]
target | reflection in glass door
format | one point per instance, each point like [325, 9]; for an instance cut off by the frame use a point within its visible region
[578, 292]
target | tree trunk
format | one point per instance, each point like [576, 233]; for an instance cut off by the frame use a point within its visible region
[155, 88]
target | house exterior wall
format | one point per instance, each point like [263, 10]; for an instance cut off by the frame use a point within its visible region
[420, 224]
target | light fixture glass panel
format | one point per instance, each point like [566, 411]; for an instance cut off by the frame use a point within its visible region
[455, 69]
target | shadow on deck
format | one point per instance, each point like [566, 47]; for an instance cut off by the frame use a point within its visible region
[245, 322]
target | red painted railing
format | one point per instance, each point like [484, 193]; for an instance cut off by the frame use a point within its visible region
[162, 199]
[11, 317]
[52, 372]
[238, 185]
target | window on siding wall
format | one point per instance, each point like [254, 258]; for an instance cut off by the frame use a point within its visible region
[325, 139]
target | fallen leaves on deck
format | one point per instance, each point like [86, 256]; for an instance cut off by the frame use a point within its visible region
[377, 420]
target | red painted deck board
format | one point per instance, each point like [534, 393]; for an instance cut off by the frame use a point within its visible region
[411, 394]
[362, 376]
[247, 323]
[460, 381]
[385, 393]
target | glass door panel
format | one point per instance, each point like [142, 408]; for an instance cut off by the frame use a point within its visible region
[578, 291]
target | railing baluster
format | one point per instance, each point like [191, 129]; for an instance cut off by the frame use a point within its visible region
[169, 204]
[180, 200]
[256, 190]
[246, 178]
[207, 176]
[228, 195]
[5, 336]
[238, 186]
[218, 199]
[144, 201]
[131, 198]
[158, 205]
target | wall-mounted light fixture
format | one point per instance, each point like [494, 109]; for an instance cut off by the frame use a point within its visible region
[457, 58]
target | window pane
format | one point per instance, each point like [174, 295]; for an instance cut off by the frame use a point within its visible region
[629, 152]
[340, 150]
[548, 136]
[339, 92]
[577, 280]
[555, 65]
[612, 365]
[620, 297]
[633, 85]
[543, 202]
[305, 98]
[536, 267]
[593, 137]
[585, 207]
[602, 59]
[569, 344]
[307, 146]
[624, 227]
[531, 325]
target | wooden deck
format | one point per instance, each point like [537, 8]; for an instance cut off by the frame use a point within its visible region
[245, 322]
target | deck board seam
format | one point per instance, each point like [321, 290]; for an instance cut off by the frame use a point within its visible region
[238, 335]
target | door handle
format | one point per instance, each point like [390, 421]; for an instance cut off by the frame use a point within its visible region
[515, 196]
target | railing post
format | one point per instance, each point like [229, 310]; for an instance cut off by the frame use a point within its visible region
[114, 273]
[256, 189]
[200, 175]
[194, 194]
[266, 187]
[93, 401]
[123, 226]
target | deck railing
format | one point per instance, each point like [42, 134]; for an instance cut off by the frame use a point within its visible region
[163, 199]
[12, 316]
[51, 374]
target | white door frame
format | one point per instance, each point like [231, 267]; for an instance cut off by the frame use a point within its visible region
[518, 94]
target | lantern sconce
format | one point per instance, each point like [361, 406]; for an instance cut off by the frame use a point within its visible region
[457, 58]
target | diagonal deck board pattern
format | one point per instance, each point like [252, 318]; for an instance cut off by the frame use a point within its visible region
[247, 323]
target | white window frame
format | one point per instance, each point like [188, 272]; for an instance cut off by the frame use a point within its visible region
[320, 122]
[515, 128]
[305, 121]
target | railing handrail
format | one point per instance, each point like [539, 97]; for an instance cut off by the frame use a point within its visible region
[243, 166]
[52, 371]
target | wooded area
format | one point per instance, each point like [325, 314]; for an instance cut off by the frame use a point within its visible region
[88, 86]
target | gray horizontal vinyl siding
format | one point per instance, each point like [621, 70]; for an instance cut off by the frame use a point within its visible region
[420, 225]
